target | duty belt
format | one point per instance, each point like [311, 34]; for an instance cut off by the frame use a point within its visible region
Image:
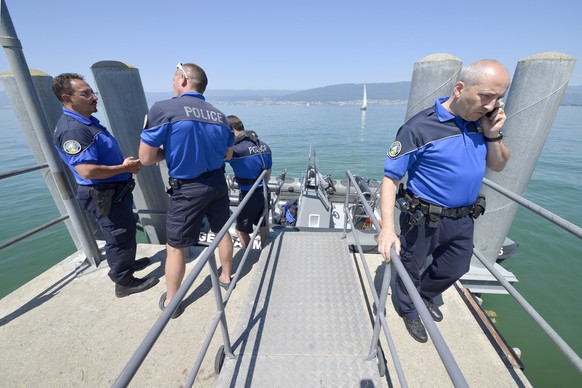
[419, 209]
[177, 183]
[107, 193]
[245, 181]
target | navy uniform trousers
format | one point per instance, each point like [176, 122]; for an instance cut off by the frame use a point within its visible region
[118, 229]
[451, 246]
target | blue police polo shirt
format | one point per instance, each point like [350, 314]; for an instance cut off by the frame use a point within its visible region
[249, 159]
[80, 140]
[194, 134]
[444, 155]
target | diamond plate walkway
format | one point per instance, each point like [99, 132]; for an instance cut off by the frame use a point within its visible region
[303, 323]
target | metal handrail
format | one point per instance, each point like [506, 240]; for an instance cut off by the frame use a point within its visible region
[377, 303]
[439, 343]
[151, 337]
[546, 328]
[21, 171]
[32, 232]
[563, 224]
[38, 229]
[557, 220]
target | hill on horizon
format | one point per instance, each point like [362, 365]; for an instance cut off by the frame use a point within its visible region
[348, 92]
[394, 91]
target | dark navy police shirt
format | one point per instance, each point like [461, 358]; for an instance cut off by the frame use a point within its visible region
[250, 159]
[445, 157]
[194, 134]
[80, 140]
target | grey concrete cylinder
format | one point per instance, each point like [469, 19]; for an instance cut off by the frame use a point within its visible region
[537, 88]
[433, 76]
[123, 98]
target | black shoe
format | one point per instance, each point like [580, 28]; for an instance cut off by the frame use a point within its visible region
[176, 313]
[134, 286]
[142, 263]
[434, 311]
[416, 329]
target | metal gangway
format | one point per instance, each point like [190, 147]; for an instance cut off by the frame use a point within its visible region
[303, 322]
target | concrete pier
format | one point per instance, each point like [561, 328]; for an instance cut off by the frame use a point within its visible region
[60, 330]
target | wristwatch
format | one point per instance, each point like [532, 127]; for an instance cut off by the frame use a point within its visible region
[491, 139]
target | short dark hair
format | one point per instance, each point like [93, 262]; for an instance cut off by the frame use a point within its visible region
[196, 76]
[235, 123]
[62, 84]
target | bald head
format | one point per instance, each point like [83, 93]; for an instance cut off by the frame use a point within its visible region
[484, 70]
[479, 90]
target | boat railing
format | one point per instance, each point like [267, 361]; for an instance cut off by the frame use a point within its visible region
[207, 256]
[38, 229]
[380, 301]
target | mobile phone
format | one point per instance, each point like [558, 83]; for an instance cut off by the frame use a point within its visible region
[498, 104]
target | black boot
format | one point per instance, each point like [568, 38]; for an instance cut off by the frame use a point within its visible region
[134, 286]
[434, 311]
[416, 329]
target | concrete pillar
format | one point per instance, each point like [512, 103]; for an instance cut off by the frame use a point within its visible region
[52, 109]
[433, 76]
[534, 97]
[122, 96]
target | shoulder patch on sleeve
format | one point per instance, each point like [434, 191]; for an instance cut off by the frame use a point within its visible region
[72, 147]
[395, 149]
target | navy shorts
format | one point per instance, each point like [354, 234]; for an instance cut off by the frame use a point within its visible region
[189, 205]
[252, 212]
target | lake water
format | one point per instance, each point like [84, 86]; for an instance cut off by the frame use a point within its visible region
[548, 263]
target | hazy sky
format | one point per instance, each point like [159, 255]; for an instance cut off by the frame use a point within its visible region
[300, 44]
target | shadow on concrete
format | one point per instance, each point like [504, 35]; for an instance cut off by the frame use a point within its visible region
[206, 284]
[44, 296]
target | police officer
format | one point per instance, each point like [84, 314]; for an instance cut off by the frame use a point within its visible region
[445, 150]
[194, 137]
[250, 157]
[104, 179]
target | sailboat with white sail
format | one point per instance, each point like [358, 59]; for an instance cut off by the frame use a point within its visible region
[364, 100]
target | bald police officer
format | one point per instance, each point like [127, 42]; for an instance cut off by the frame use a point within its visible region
[445, 150]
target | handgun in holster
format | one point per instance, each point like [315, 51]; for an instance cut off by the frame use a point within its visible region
[103, 198]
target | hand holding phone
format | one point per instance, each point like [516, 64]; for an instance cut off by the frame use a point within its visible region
[498, 104]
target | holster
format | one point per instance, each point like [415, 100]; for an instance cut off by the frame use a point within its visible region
[104, 199]
[479, 206]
